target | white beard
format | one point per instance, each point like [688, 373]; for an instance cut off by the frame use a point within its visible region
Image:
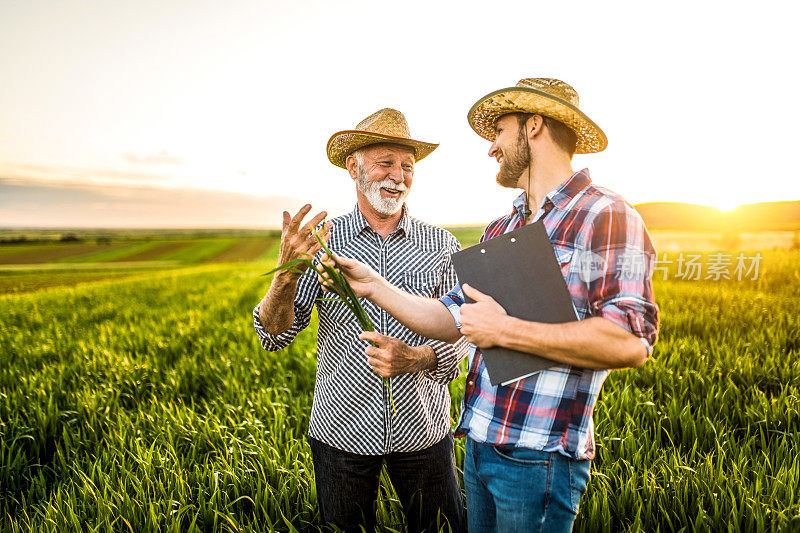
[372, 191]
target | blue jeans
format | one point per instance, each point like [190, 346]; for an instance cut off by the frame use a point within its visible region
[520, 489]
[425, 481]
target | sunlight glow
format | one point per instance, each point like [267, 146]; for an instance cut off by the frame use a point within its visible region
[137, 95]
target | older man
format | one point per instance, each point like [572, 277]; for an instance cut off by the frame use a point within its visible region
[530, 443]
[355, 426]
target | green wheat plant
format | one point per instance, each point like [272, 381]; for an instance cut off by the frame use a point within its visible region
[341, 288]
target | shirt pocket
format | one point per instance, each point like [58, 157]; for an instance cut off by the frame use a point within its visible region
[564, 257]
[421, 283]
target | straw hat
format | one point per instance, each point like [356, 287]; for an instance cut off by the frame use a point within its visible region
[384, 126]
[543, 96]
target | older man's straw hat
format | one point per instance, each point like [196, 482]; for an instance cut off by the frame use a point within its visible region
[543, 96]
[384, 126]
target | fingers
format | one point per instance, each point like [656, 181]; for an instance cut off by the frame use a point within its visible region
[331, 261]
[475, 294]
[322, 275]
[324, 279]
[379, 367]
[294, 223]
[326, 232]
[373, 336]
[327, 259]
[345, 262]
[287, 219]
[319, 217]
[323, 235]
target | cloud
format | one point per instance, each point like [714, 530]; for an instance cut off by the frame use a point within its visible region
[37, 203]
[66, 174]
[159, 158]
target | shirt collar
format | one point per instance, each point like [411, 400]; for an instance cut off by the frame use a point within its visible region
[561, 196]
[358, 222]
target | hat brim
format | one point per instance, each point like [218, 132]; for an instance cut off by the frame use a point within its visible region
[343, 143]
[484, 113]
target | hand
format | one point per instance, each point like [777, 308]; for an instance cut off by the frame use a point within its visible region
[296, 239]
[391, 357]
[362, 278]
[482, 321]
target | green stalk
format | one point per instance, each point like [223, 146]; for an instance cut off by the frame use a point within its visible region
[344, 292]
[360, 312]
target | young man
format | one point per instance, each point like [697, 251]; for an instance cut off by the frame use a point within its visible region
[354, 426]
[529, 444]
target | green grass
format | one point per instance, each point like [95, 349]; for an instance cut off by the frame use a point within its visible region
[47, 253]
[21, 281]
[467, 236]
[147, 404]
[168, 415]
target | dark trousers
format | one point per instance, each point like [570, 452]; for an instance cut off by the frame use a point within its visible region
[425, 481]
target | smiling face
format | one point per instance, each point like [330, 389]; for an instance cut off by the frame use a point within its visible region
[510, 150]
[383, 175]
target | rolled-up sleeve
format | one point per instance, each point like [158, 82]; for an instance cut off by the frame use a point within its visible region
[452, 301]
[623, 293]
[448, 357]
[307, 291]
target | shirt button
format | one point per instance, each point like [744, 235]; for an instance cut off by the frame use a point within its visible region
[471, 383]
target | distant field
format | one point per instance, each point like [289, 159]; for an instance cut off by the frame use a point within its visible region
[200, 251]
[244, 250]
[156, 251]
[675, 241]
[29, 267]
[84, 261]
[45, 253]
[121, 253]
[184, 250]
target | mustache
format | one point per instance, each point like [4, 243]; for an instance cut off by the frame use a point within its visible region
[389, 184]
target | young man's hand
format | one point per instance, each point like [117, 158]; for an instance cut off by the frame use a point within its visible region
[362, 278]
[482, 321]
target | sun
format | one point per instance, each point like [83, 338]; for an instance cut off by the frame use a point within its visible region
[726, 205]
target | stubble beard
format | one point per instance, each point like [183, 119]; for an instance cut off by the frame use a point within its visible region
[514, 164]
[372, 192]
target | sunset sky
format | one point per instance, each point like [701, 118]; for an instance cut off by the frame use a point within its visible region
[191, 113]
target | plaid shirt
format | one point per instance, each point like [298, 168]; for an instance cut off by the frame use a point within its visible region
[606, 258]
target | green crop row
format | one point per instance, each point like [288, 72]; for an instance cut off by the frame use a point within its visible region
[147, 404]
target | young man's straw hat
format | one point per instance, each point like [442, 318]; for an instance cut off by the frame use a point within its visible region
[543, 96]
[384, 126]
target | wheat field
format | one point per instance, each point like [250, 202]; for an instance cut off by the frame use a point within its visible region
[145, 403]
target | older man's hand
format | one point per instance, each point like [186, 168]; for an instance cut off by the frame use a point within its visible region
[391, 357]
[297, 240]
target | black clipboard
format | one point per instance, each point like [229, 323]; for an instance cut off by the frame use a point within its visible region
[519, 270]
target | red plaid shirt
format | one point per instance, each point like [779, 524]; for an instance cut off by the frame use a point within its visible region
[606, 257]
